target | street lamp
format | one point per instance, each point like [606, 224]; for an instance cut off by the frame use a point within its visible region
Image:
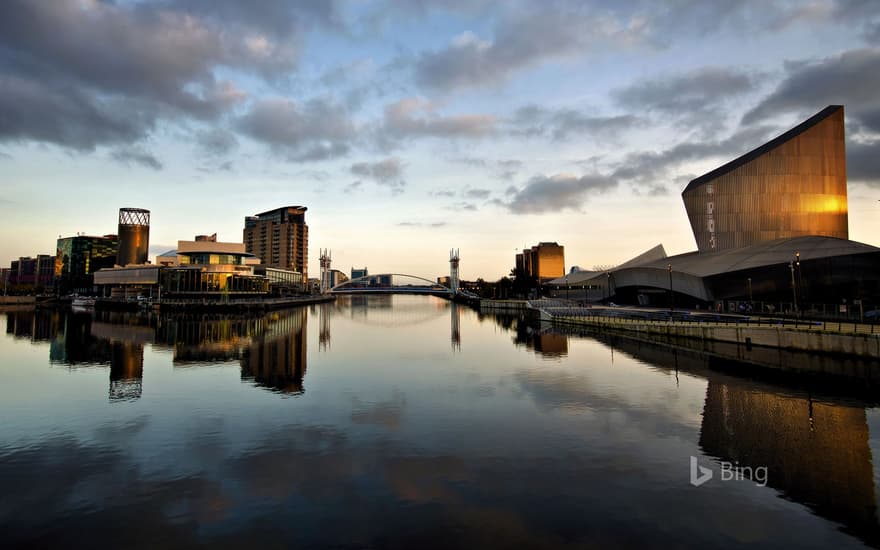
[671, 295]
[793, 287]
[751, 301]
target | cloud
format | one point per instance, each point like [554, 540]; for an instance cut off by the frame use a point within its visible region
[560, 124]
[315, 130]
[683, 94]
[520, 40]
[417, 117]
[132, 155]
[863, 162]
[217, 141]
[547, 194]
[646, 167]
[352, 187]
[851, 78]
[63, 115]
[477, 193]
[387, 172]
[92, 73]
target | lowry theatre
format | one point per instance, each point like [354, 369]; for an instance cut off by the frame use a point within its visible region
[769, 225]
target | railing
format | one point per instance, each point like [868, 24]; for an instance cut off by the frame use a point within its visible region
[575, 315]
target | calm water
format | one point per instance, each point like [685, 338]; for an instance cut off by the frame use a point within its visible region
[408, 422]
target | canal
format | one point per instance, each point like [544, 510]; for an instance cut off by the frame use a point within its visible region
[409, 422]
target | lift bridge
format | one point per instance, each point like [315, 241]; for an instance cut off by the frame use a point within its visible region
[392, 283]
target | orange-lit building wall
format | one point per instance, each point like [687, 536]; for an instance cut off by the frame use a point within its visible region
[795, 185]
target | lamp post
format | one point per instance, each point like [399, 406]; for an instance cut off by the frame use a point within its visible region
[800, 281]
[671, 295]
[793, 287]
[751, 301]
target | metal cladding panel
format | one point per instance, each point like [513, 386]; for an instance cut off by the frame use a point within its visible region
[796, 187]
[134, 242]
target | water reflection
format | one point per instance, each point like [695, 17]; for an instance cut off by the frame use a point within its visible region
[810, 433]
[126, 371]
[403, 442]
[539, 338]
[276, 357]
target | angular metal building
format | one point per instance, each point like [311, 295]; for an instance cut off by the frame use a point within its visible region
[792, 186]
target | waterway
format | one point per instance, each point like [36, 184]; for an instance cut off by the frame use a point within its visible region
[410, 422]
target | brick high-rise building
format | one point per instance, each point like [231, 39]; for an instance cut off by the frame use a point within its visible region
[280, 238]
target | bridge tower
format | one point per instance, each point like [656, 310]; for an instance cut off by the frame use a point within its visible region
[453, 270]
[324, 259]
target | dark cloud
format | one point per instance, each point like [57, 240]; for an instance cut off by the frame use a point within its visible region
[217, 141]
[863, 162]
[84, 74]
[851, 78]
[520, 40]
[548, 194]
[66, 116]
[417, 117]
[387, 172]
[133, 155]
[684, 94]
[559, 124]
[315, 130]
[647, 167]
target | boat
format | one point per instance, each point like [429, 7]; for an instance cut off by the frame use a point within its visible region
[83, 302]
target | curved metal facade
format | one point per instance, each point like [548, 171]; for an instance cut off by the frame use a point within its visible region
[794, 185]
[134, 236]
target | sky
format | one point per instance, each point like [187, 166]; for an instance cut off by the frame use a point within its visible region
[411, 127]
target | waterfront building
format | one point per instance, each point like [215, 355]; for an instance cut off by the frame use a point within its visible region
[770, 226]
[337, 277]
[202, 268]
[281, 281]
[791, 186]
[134, 236]
[544, 261]
[27, 273]
[357, 273]
[78, 258]
[280, 238]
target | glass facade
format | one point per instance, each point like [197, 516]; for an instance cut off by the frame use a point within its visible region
[795, 185]
[196, 281]
[77, 258]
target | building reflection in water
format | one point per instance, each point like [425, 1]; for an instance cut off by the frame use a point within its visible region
[324, 315]
[539, 338]
[814, 441]
[455, 315]
[276, 359]
[126, 371]
[816, 452]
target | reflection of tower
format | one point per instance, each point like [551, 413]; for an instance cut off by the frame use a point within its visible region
[134, 236]
[325, 270]
[453, 270]
[815, 452]
[278, 359]
[324, 333]
[126, 371]
[456, 321]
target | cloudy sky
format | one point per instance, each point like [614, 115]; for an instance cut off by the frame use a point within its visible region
[409, 127]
